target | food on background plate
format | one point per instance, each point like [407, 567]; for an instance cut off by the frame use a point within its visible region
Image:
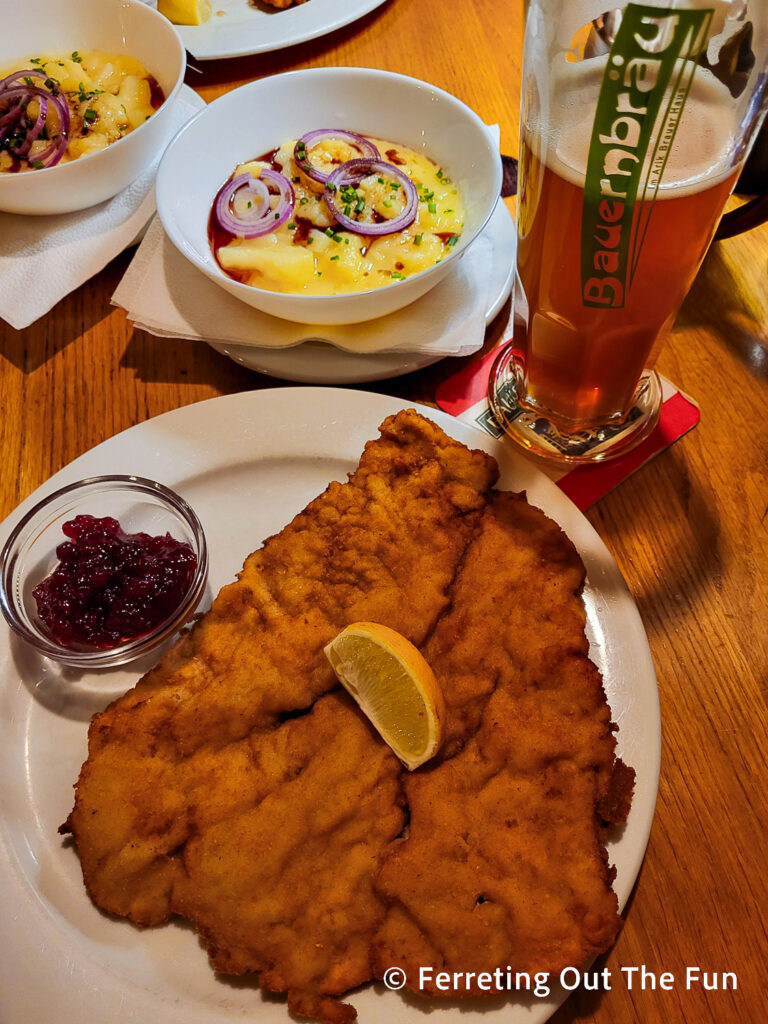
[283, 4]
[185, 12]
[237, 785]
[110, 586]
[57, 108]
[334, 212]
[197, 12]
[394, 686]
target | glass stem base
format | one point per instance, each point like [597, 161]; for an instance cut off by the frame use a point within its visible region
[530, 427]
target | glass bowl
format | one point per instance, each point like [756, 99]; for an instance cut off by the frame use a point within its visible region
[29, 555]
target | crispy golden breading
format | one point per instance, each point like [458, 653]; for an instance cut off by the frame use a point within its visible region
[504, 863]
[231, 788]
[383, 547]
[284, 883]
[179, 756]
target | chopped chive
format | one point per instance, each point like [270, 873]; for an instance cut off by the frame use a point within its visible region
[329, 232]
[452, 240]
[386, 203]
[449, 211]
[291, 225]
[347, 210]
[334, 257]
[439, 174]
[330, 187]
[360, 205]
[432, 207]
[90, 115]
[76, 57]
[397, 276]
[336, 238]
[417, 239]
[84, 96]
[303, 201]
[37, 164]
[277, 216]
[310, 239]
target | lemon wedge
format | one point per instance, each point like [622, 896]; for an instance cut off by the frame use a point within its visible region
[394, 686]
[185, 12]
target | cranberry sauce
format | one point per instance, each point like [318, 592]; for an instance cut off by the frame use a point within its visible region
[111, 586]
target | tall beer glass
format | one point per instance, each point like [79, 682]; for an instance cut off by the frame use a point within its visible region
[635, 123]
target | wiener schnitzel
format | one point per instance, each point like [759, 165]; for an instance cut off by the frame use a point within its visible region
[180, 753]
[232, 788]
[504, 863]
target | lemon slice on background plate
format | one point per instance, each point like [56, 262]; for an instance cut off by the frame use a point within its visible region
[185, 12]
[394, 686]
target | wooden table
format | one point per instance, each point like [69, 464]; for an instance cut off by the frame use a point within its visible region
[690, 531]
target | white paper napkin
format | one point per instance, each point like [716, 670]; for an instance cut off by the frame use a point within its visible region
[165, 295]
[42, 259]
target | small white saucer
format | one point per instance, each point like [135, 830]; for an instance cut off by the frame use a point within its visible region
[318, 362]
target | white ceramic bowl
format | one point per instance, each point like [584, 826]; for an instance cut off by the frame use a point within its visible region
[32, 27]
[259, 116]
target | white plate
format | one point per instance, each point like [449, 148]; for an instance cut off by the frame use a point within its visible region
[247, 463]
[243, 28]
[318, 362]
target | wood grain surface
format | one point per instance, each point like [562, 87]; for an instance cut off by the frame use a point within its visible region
[689, 531]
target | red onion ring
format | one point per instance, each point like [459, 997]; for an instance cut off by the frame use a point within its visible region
[352, 173]
[53, 153]
[36, 128]
[25, 93]
[366, 148]
[11, 89]
[9, 119]
[20, 76]
[264, 219]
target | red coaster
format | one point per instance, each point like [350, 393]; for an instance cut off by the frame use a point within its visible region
[465, 395]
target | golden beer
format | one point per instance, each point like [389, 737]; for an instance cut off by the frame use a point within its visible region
[631, 141]
[582, 364]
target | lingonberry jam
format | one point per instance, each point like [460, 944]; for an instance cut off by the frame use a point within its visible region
[111, 586]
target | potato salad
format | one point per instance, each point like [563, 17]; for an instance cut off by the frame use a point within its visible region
[58, 107]
[335, 212]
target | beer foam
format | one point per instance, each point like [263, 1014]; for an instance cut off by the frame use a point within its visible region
[700, 157]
